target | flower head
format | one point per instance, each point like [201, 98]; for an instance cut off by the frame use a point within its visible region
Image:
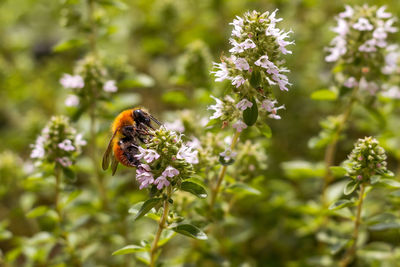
[72, 81]
[110, 86]
[367, 159]
[58, 143]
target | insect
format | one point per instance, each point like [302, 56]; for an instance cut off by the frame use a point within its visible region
[129, 128]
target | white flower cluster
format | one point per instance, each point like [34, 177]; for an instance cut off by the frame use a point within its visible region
[253, 67]
[370, 25]
[77, 82]
[58, 142]
[255, 43]
[162, 153]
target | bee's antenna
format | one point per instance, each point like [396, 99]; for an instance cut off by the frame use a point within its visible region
[155, 120]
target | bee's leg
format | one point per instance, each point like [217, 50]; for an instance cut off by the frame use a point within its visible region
[129, 130]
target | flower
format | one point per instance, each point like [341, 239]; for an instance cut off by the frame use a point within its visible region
[72, 81]
[79, 141]
[228, 154]
[186, 153]
[239, 125]
[238, 81]
[241, 64]
[244, 104]
[351, 82]
[222, 73]
[66, 145]
[363, 24]
[110, 87]
[218, 107]
[348, 13]
[64, 161]
[72, 101]
[161, 182]
[176, 125]
[149, 155]
[144, 176]
[269, 106]
[170, 172]
[380, 13]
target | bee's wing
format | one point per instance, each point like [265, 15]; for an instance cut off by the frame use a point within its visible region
[107, 154]
[114, 165]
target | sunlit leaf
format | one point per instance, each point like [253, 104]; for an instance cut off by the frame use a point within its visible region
[146, 207]
[68, 44]
[194, 188]
[241, 188]
[340, 204]
[350, 187]
[190, 230]
[129, 250]
[324, 94]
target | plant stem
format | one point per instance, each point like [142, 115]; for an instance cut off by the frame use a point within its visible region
[57, 173]
[161, 226]
[330, 151]
[352, 250]
[215, 191]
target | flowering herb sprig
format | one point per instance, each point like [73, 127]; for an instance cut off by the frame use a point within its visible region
[360, 52]
[167, 167]
[361, 46]
[366, 166]
[59, 144]
[253, 68]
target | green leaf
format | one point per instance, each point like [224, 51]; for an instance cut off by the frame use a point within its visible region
[146, 207]
[129, 250]
[68, 44]
[222, 160]
[241, 188]
[340, 204]
[350, 187]
[338, 171]
[255, 79]
[384, 226]
[265, 130]
[190, 231]
[250, 115]
[390, 183]
[37, 212]
[194, 188]
[324, 94]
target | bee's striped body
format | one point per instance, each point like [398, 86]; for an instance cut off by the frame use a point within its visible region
[129, 128]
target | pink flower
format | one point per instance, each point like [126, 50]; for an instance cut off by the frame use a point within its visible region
[149, 155]
[363, 24]
[64, 161]
[241, 64]
[239, 126]
[238, 81]
[110, 87]
[72, 81]
[218, 107]
[66, 145]
[72, 101]
[144, 176]
[228, 154]
[222, 73]
[380, 13]
[161, 182]
[244, 104]
[350, 82]
[348, 13]
[170, 172]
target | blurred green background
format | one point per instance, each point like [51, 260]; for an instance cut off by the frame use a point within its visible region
[161, 53]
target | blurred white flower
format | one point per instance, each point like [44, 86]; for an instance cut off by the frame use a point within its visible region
[72, 101]
[110, 86]
[72, 81]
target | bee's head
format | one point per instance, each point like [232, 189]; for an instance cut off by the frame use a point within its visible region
[140, 116]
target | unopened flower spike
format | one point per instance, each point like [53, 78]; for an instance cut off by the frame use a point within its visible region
[254, 67]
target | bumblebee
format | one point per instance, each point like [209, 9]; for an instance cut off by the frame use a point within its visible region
[129, 129]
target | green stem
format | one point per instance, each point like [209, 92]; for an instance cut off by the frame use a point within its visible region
[215, 190]
[330, 151]
[352, 250]
[161, 226]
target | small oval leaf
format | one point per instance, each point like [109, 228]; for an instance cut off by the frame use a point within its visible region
[350, 187]
[241, 188]
[255, 79]
[390, 182]
[146, 207]
[190, 231]
[194, 188]
[265, 130]
[340, 204]
[250, 115]
[129, 250]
